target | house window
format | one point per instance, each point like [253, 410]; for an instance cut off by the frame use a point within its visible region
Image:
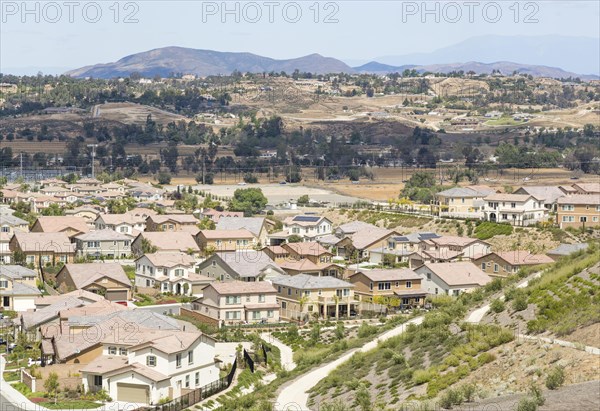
[261, 298]
[190, 357]
[256, 315]
[122, 351]
[112, 350]
[5, 229]
[3, 284]
[595, 219]
[310, 308]
[409, 284]
[197, 378]
[496, 268]
[270, 313]
[151, 361]
[568, 207]
[384, 286]
[455, 292]
[98, 380]
[178, 360]
[283, 305]
[513, 205]
[346, 292]
[289, 291]
[505, 216]
[483, 266]
[371, 286]
[307, 293]
[179, 272]
[187, 381]
[279, 289]
[397, 284]
[583, 219]
[232, 315]
[233, 299]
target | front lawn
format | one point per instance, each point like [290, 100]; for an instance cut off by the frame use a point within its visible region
[70, 405]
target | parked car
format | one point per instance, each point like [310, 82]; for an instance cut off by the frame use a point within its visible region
[3, 341]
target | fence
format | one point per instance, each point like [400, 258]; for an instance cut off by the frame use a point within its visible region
[265, 350]
[249, 361]
[197, 395]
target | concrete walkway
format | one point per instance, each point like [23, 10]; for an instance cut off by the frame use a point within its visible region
[286, 352]
[294, 397]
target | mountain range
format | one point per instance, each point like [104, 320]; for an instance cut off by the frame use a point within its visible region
[469, 55]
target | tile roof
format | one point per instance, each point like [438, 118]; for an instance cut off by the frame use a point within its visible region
[365, 237]
[16, 271]
[11, 220]
[170, 259]
[471, 191]
[54, 224]
[304, 220]
[548, 193]
[103, 235]
[580, 199]
[248, 263]
[390, 274]
[88, 273]
[451, 240]
[179, 218]
[509, 197]
[588, 187]
[354, 226]
[226, 234]
[304, 265]
[243, 287]
[457, 273]
[522, 257]
[127, 218]
[310, 282]
[36, 242]
[175, 240]
[19, 288]
[312, 248]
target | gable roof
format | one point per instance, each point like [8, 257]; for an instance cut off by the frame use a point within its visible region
[365, 237]
[126, 218]
[247, 263]
[252, 224]
[85, 274]
[19, 288]
[36, 242]
[354, 226]
[312, 248]
[55, 224]
[588, 187]
[103, 235]
[178, 218]
[415, 238]
[169, 259]
[567, 249]
[310, 282]
[11, 220]
[174, 240]
[547, 193]
[401, 274]
[243, 287]
[580, 199]
[305, 265]
[458, 273]
[450, 240]
[517, 198]
[522, 257]
[16, 272]
[304, 220]
[226, 234]
[470, 191]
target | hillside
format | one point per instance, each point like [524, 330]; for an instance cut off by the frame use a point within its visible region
[168, 60]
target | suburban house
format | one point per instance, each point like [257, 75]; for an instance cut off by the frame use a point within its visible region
[547, 194]
[154, 366]
[276, 252]
[451, 278]
[215, 215]
[103, 243]
[249, 266]
[225, 240]
[565, 250]
[106, 279]
[468, 248]
[400, 248]
[462, 202]
[587, 188]
[256, 225]
[310, 250]
[578, 211]
[504, 264]
[70, 225]
[179, 241]
[123, 223]
[309, 227]
[172, 222]
[302, 296]
[421, 257]
[170, 272]
[236, 302]
[89, 214]
[43, 248]
[368, 240]
[18, 289]
[146, 193]
[307, 266]
[393, 287]
[9, 224]
[516, 209]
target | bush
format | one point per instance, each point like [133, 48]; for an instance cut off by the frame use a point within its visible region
[527, 404]
[366, 330]
[449, 398]
[468, 392]
[519, 303]
[555, 378]
[250, 178]
[164, 178]
[497, 305]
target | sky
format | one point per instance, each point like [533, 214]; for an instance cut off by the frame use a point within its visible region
[55, 36]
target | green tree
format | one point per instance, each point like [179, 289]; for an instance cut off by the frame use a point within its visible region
[303, 200]
[362, 399]
[164, 178]
[53, 210]
[248, 200]
[294, 238]
[51, 385]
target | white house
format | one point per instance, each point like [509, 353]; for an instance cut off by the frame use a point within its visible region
[122, 223]
[170, 272]
[515, 209]
[309, 227]
[451, 278]
[18, 289]
[152, 366]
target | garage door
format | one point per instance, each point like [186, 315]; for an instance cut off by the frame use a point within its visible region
[116, 295]
[133, 393]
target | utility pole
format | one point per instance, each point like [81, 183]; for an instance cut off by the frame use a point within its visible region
[93, 146]
[21, 166]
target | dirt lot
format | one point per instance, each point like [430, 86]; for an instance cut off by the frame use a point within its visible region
[133, 113]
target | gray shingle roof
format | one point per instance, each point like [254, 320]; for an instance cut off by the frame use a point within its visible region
[309, 282]
[22, 289]
[16, 271]
[12, 220]
[252, 224]
[248, 263]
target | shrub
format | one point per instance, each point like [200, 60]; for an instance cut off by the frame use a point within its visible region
[468, 392]
[250, 178]
[366, 330]
[497, 305]
[536, 394]
[449, 398]
[527, 404]
[519, 303]
[164, 178]
[422, 376]
[555, 378]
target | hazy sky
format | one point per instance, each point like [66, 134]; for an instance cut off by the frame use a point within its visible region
[71, 33]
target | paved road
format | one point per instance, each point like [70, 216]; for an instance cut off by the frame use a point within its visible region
[294, 397]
